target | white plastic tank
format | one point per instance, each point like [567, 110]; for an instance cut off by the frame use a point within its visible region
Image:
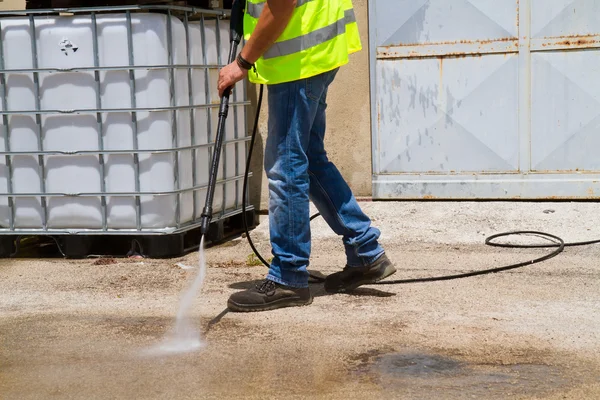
[68, 42]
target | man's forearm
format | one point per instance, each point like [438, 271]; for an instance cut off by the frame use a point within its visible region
[272, 22]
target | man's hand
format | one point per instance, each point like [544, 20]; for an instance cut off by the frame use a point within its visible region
[229, 76]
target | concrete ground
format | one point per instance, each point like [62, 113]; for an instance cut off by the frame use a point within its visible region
[79, 329]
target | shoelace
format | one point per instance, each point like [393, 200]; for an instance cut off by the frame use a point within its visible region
[266, 286]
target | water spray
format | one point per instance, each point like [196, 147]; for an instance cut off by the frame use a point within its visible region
[185, 337]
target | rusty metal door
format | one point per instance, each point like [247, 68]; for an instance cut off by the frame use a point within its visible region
[492, 99]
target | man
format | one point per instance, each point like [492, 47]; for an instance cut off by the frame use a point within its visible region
[296, 47]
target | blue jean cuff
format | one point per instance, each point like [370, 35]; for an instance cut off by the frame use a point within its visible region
[297, 285]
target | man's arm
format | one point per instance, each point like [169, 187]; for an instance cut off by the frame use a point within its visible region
[272, 22]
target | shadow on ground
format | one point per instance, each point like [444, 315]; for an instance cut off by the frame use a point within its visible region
[317, 289]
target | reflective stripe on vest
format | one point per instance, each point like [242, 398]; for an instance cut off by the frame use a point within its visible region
[318, 38]
[314, 38]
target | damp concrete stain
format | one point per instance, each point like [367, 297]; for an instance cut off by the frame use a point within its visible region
[419, 375]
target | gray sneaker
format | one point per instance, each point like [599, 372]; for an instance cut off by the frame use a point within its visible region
[352, 277]
[269, 295]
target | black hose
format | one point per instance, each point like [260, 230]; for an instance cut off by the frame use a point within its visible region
[561, 246]
[557, 242]
[247, 172]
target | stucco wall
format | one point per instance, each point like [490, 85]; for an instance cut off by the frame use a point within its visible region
[12, 5]
[348, 137]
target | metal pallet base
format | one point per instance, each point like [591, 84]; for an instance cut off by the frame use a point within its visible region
[150, 245]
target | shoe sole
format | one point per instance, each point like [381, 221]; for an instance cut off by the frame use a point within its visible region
[388, 271]
[282, 303]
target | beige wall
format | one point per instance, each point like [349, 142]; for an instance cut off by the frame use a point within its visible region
[348, 137]
[12, 5]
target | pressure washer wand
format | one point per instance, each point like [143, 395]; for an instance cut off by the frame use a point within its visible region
[235, 36]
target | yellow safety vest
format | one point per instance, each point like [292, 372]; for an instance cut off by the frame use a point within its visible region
[319, 37]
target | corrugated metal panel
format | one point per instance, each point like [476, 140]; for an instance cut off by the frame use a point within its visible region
[480, 99]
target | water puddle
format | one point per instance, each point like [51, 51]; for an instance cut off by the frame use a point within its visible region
[428, 376]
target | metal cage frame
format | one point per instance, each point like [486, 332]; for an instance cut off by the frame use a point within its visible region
[185, 14]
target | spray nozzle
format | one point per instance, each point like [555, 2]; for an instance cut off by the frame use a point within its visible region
[206, 217]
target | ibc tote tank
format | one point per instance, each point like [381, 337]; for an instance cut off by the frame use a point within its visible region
[73, 128]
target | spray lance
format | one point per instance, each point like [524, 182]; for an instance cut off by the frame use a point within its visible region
[235, 36]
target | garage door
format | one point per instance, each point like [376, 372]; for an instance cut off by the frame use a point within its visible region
[485, 99]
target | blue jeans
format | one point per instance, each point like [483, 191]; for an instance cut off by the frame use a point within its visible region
[298, 169]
